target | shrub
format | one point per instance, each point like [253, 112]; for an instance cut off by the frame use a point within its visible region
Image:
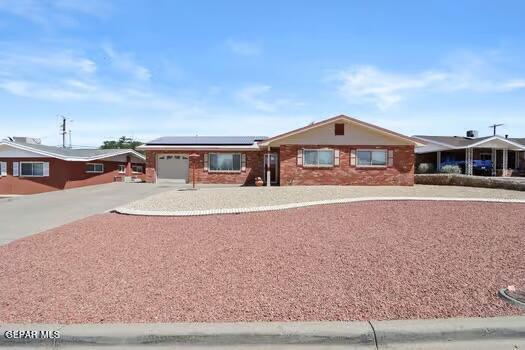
[425, 168]
[451, 169]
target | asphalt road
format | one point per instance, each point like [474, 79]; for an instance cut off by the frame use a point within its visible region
[26, 215]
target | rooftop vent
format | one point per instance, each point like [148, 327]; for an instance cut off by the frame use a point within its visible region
[472, 134]
[31, 140]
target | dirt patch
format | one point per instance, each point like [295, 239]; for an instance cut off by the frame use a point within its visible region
[380, 260]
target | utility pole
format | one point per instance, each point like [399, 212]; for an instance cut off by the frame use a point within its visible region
[69, 133]
[63, 131]
[494, 126]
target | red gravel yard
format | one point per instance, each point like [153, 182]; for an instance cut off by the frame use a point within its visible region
[374, 260]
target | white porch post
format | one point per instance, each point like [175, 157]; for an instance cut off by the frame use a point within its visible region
[268, 172]
[438, 161]
[493, 162]
[469, 155]
[505, 162]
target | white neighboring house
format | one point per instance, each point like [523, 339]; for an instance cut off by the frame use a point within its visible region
[489, 155]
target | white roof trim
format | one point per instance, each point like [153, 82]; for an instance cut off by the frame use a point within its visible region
[495, 137]
[71, 159]
[335, 119]
[253, 147]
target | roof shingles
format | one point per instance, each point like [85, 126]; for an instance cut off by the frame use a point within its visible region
[61, 152]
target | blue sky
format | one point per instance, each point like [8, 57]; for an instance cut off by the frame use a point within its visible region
[152, 68]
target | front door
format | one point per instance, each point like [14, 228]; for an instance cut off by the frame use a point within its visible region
[271, 162]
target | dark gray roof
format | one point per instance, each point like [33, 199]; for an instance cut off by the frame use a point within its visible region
[462, 141]
[457, 141]
[206, 140]
[521, 141]
[72, 152]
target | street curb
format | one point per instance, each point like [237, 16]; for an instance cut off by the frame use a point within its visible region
[137, 212]
[351, 334]
[503, 295]
[357, 333]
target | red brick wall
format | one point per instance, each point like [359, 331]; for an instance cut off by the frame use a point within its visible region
[401, 173]
[62, 175]
[254, 168]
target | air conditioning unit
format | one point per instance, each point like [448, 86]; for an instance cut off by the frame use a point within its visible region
[31, 140]
[472, 134]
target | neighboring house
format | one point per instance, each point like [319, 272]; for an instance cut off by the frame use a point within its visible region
[490, 155]
[27, 167]
[336, 151]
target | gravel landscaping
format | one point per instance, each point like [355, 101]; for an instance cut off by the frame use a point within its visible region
[373, 260]
[246, 197]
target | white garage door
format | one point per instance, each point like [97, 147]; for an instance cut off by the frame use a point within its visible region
[173, 167]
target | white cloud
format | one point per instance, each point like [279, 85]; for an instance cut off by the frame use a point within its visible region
[253, 96]
[125, 63]
[53, 12]
[65, 75]
[244, 48]
[257, 97]
[39, 62]
[470, 73]
[369, 84]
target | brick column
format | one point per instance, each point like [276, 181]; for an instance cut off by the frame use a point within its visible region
[128, 166]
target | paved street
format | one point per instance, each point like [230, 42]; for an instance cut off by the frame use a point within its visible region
[26, 215]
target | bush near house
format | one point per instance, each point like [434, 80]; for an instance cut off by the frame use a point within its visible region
[469, 181]
[451, 169]
[425, 168]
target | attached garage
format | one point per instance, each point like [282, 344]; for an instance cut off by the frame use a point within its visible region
[173, 167]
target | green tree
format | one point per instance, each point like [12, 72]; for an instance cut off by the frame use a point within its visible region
[122, 142]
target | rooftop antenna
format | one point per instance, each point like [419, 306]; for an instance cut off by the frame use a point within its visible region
[63, 131]
[494, 126]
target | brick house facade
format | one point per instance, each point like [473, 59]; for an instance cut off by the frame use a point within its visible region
[343, 143]
[401, 172]
[64, 170]
[246, 176]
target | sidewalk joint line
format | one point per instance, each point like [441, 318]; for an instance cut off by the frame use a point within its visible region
[375, 335]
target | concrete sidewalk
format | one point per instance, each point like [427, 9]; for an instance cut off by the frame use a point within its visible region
[459, 333]
[26, 215]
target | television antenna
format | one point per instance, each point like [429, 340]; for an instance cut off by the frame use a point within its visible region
[494, 126]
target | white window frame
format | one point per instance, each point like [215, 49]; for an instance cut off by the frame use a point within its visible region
[3, 169]
[305, 165]
[121, 171]
[135, 166]
[95, 171]
[22, 175]
[224, 171]
[385, 151]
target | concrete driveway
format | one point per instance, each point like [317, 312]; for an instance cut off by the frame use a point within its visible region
[26, 215]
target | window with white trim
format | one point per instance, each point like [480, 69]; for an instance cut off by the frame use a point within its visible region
[137, 169]
[121, 169]
[372, 158]
[94, 168]
[224, 162]
[32, 169]
[318, 157]
[3, 169]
